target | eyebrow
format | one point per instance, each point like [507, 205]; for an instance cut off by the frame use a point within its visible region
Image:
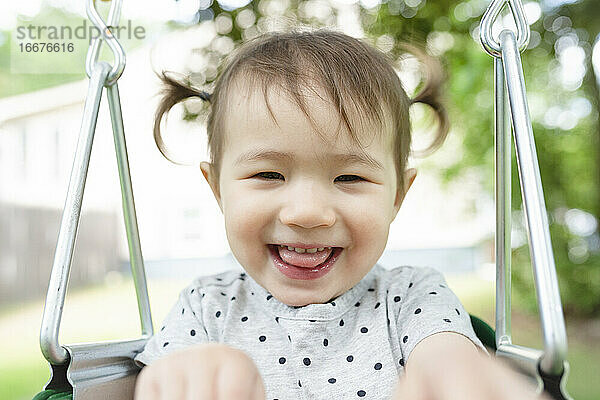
[274, 155]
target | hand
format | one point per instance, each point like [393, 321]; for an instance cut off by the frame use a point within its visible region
[448, 367]
[483, 380]
[204, 372]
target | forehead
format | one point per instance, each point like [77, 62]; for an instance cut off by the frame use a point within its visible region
[274, 117]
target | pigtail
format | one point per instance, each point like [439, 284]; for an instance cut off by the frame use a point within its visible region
[172, 92]
[431, 95]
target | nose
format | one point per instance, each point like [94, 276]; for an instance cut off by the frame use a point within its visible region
[307, 206]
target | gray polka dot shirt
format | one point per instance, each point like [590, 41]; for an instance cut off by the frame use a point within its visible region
[354, 346]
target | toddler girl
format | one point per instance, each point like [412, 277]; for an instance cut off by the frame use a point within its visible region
[309, 136]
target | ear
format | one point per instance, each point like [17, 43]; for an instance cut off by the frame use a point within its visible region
[409, 177]
[208, 172]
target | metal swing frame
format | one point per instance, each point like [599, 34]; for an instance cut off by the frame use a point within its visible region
[95, 370]
[549, 366]
[106, 370]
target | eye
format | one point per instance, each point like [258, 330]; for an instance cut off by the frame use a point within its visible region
[352, 178]
[269, 175]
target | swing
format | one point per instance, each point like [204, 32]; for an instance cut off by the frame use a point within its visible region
[106, 369]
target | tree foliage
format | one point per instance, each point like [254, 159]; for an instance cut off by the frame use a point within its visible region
[567, 152]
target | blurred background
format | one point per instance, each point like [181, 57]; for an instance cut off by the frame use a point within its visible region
[447, 220]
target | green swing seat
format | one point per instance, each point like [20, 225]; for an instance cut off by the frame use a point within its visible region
[51, 394]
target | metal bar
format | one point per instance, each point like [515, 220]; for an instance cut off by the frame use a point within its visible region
[129, 214]
[106, 34]
[55, 298]
[489, 43]
[524, 358]
[548, 296]
[502, 135]
[114, 13]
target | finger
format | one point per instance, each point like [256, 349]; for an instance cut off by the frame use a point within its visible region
[259, 388]
[235, 378]
[407, 388]
[173, 386]
[201, 383]
[519, 386]
[474, 389]
[146, 388]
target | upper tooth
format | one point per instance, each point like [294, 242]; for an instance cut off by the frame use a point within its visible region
[300, 250]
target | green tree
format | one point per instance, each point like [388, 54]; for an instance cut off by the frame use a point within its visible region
[568, 155]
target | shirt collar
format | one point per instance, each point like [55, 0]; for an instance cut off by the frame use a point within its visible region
[316, 312]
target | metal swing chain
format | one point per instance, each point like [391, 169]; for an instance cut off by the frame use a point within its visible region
[549, 366]
[114, 15]
[101, 74]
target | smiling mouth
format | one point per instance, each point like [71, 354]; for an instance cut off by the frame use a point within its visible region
[304, 259]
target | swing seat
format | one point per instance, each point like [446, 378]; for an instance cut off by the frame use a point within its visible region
[51, 394]
[484, 332]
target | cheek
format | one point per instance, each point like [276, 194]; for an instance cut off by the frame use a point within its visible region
[245, 218]
[368, 220]
[245, 229]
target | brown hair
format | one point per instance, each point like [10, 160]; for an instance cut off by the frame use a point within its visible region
[358, 78]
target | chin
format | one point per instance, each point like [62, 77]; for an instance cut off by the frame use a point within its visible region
[295, 301]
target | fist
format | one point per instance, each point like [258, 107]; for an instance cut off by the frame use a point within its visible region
[210, 371]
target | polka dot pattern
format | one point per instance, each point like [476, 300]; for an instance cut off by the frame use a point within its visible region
[326, 356]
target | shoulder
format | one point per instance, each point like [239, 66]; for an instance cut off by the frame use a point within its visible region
[220, 280]
[405, 283]
[223, 286]
[405, 275]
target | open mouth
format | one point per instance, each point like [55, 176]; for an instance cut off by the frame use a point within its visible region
[306, 265]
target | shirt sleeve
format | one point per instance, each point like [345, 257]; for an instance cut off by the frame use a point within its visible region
[430, 307]
[182, 327]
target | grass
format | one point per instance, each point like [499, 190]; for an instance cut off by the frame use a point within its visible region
[110, 312]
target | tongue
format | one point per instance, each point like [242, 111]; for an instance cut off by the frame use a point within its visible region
[306, 260]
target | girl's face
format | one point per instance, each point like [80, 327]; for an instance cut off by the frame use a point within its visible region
[283, 184]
